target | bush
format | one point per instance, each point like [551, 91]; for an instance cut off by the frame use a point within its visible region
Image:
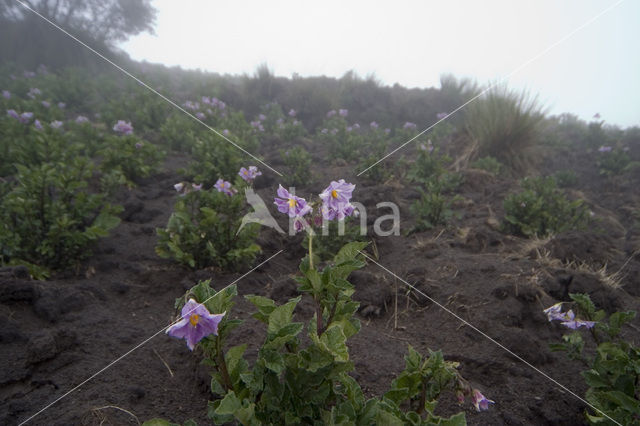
[49, 219]
[433, 208]
[205, 230]
[213, 157]
[297, 163]
[489, 164]
[613, 374]
[297, 380]
[507, 126]
[131, 156]
[566, 178]
[542, 209]
[613, 161]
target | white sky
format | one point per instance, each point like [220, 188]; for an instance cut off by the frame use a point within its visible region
[413, 43]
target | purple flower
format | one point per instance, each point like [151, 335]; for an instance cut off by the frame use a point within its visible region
[56, 124]
[571, 322]
[279, 121]
[206, 100]
[255, 124]
[6, 94]
[224, 186]
[409, 125]
[25, 117]
[554, 312]
[387, 131]
[596, 115]
[46, 104]
[249, 174]
[373, 125]
[349, 129]
[61, 105]
[604, 149]
[38, 124]
[29, 74]
[335, 200]
[334, 131]
[356, 126]
[200, 115]
[196, 323]
[262, 117]
[13, 114]
[324, 131]
[441, 115]
[290, 204]
[343, 112]
[81, 119]
[331, 113]
[123, 127]
[196, 187]
[225, 132]
[33, 92]
[292, 112]
[480, 401]
[139, 145]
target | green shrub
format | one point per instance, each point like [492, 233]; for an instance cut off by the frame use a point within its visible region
[297, 166]
[613, 374]
[489, 164]
[307, 381]
[179, 132]
[566, 178]
[612, 161]
[542, 209]
[205, 230]
[505, 125]
[213, 157]
[49, 218]
[132, 156]
[433, 208]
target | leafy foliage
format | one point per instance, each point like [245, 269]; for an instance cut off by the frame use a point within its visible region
[131, 156]
[613, 375]
[614, 162]
[49, 218]
[489, 164]
[297, 162]
[542, 209]
[205, 230]
[295, 383]
[338, 233]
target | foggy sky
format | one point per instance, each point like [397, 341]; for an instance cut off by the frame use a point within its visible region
[596, 70]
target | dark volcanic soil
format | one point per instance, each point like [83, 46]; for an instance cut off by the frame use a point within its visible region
[100, 329]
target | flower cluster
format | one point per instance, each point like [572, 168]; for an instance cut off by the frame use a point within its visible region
[568, 319]
[183, 188]
[196, 323]
[335, 200]
[604, 149]
[81, 119]
[122, 127]
[410, 126]
[248, 175]
[441, 115]
[24, 118]
[6, 94]
[33, 92]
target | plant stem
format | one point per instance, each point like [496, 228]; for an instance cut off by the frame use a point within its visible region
[423, 396]
[222, 366]
[310, 250]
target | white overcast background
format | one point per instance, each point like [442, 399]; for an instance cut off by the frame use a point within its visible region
[596, 70]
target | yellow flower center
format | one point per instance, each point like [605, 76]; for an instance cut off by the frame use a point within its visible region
[334, 193]
[292, 202]
[246, 172]
[221, 184]
[193, 319]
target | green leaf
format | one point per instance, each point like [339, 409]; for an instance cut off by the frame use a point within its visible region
[349, 251]
[229, 404]
[273, 361]
[281, 316]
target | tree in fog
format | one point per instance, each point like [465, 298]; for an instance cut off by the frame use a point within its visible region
[106, 21]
